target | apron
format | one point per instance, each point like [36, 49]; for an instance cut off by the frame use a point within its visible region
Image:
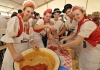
[89, 57]
[19, 47]
[21, 44]
[76, 48]
[38, 38]
[90, 54]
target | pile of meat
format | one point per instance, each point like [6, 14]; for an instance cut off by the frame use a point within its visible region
[56, 48]
[52, 47]
[36, 67]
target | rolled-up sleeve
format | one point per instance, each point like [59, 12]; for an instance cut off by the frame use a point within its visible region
[87, 28]
[40, 22]
[11, 31]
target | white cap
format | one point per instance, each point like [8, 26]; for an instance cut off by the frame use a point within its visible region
[25, 1]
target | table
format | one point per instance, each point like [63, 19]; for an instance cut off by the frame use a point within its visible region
[66, 59]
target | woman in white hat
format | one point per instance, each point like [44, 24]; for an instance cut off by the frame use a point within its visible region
[18, 36]
[41, 26]
[89, 32]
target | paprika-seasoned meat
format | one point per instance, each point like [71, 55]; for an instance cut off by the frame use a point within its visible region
[36, 67]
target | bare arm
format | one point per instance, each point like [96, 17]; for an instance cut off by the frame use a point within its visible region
[38, 27]
[11, 48]
[16, 56]
[78, 40]
[71, 36]
[62, 31]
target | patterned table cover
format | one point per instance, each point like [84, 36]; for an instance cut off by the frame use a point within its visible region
[66, 60]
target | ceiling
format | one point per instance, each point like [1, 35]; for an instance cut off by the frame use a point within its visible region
[8, 6]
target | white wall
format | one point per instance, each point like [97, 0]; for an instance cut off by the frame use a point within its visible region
[53, 4]
[93, 5]
[41, 9]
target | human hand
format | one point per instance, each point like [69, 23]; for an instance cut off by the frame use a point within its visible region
[18, 57]
[36, 47]
[63, 49]
[61, 42]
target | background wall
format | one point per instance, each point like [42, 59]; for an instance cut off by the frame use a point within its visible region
[89, 5]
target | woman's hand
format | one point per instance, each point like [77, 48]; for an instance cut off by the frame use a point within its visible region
[18, 57]
[63, 49]
[61, 42]
[36, 47]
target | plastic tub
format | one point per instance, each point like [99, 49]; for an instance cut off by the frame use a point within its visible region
[62, 68]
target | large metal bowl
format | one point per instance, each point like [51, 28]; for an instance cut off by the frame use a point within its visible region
[43, 55]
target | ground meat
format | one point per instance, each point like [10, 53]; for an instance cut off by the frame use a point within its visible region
[36, 67]
[66, 52]
[52, 48]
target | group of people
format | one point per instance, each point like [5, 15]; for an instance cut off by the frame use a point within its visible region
[20, 33]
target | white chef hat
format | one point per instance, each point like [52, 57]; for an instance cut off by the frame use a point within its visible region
[27, 3]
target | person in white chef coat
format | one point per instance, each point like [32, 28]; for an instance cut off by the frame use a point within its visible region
[89, 32]
[58, 24]
[70, 25]
[3, 26]
[18, 36]
[40, 28]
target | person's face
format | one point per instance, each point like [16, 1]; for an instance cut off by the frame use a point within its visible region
[47, 17]
[78, 15]
[69, 13]
[93, 16]
[28, 12]
[56, 15]
[38, 17]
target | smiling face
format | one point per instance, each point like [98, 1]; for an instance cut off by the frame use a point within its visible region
[78, 15]
[47, 17]
[69, 13]
[28, 12]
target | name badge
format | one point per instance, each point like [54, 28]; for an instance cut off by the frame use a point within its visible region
[24, 40]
